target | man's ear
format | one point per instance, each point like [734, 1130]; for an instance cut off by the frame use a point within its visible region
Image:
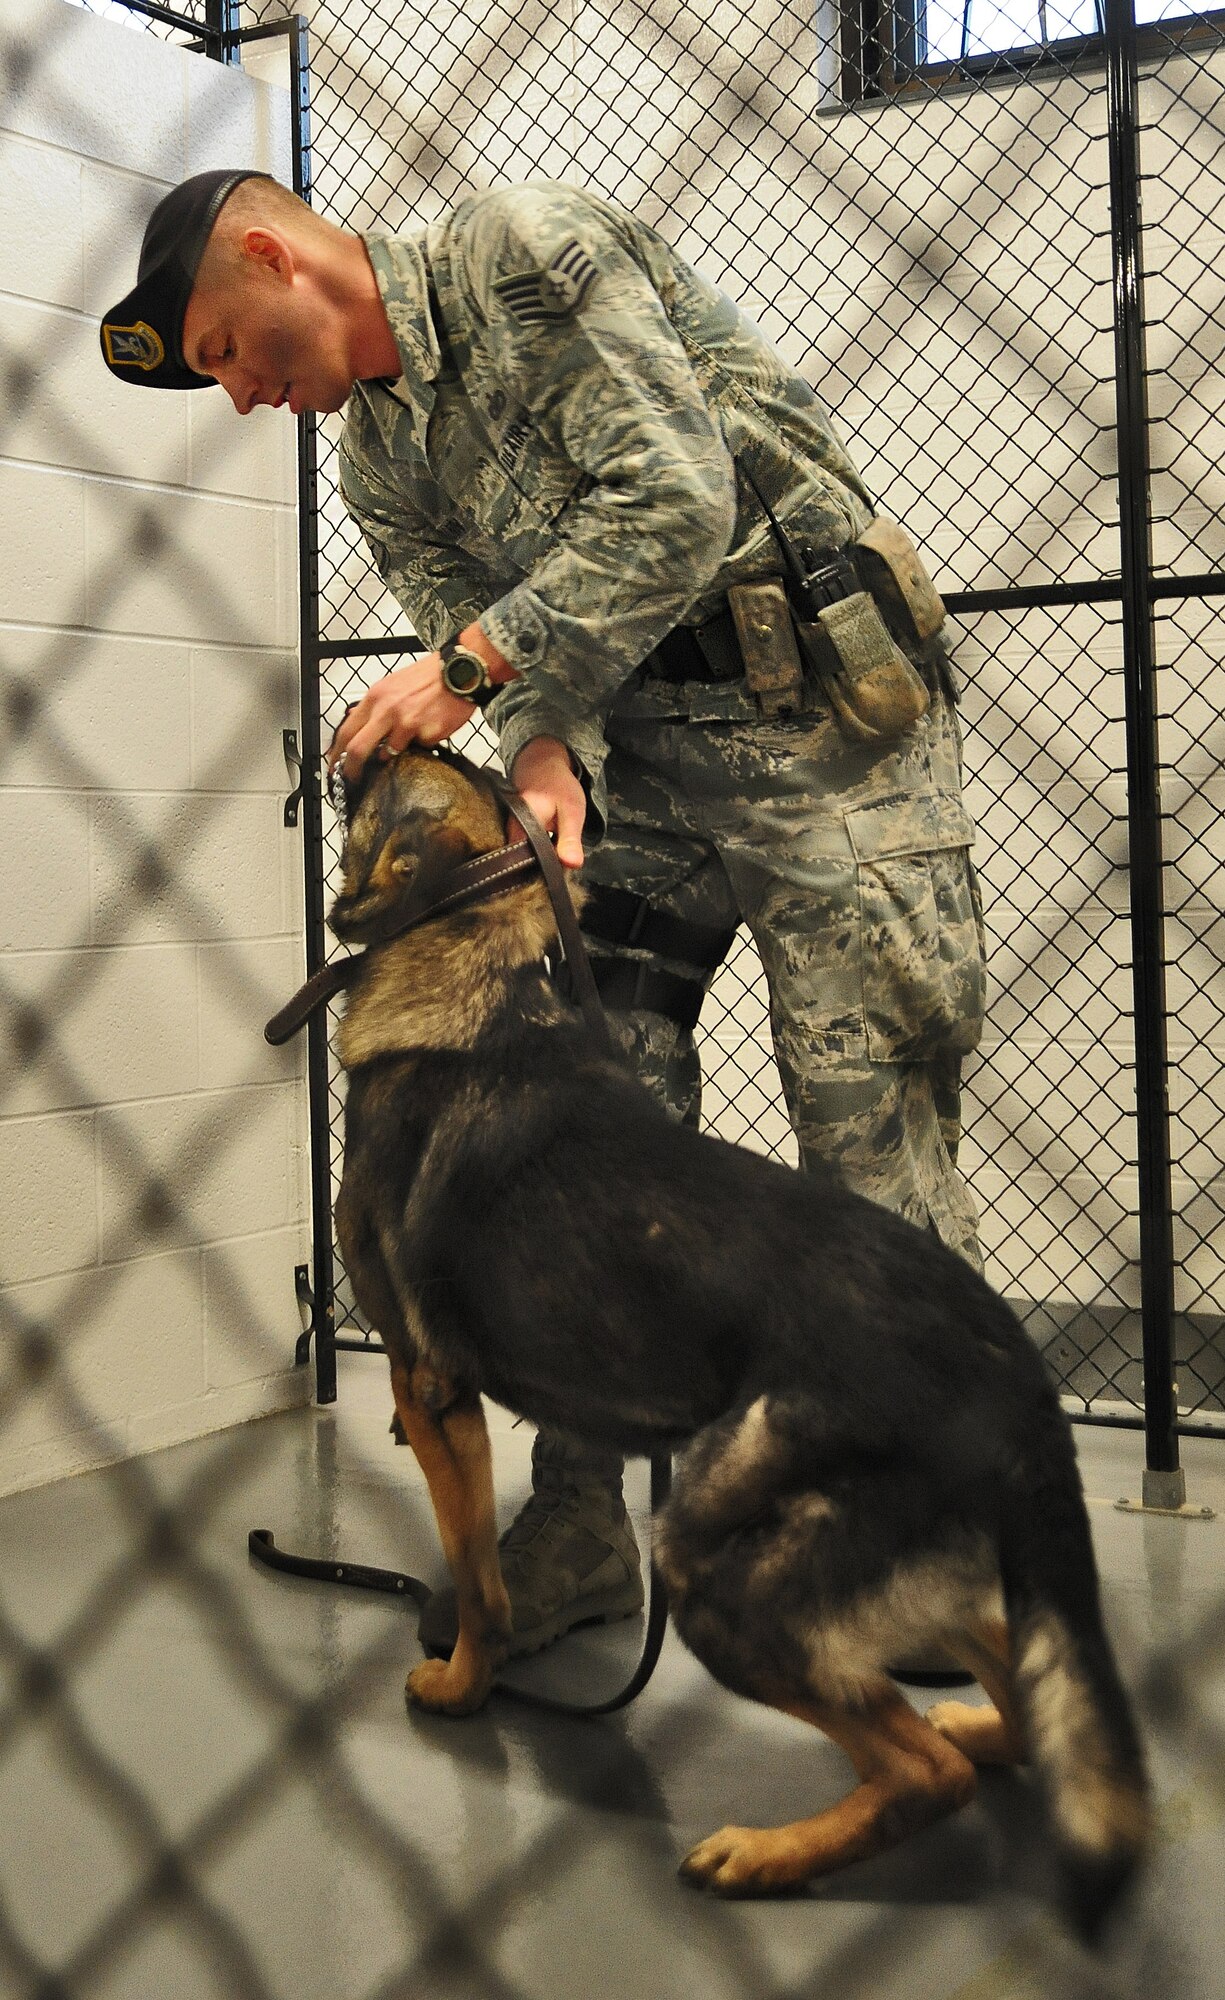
[271, 252]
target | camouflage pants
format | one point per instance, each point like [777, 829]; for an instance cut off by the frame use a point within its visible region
[850, 866]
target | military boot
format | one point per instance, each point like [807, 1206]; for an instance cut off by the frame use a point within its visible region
[568, 1558]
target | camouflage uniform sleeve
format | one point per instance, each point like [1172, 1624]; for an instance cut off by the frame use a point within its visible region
[436, 582]
[442, 591]
[595, 361]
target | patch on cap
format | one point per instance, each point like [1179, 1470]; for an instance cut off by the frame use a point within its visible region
[132, 346]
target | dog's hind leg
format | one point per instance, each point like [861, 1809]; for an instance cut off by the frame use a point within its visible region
[909, 1775]
[452, 1448]
[985, 1735]
[763, 1566]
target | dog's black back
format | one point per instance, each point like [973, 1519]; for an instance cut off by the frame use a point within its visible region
[602, 1267]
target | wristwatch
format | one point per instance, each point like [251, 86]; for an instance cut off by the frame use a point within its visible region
[464, 673]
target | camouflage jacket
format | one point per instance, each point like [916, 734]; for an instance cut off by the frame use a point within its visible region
[557, 458]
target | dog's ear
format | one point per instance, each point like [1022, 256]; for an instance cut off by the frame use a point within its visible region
[396, 877]
[414, 823]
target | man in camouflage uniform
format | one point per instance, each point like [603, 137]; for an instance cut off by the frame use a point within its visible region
[558, 442]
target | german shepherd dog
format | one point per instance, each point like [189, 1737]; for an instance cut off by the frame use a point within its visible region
[872, 1459]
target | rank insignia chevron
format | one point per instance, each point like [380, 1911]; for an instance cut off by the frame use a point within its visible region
[540, 296]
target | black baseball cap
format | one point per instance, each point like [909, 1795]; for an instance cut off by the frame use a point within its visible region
[142, 337]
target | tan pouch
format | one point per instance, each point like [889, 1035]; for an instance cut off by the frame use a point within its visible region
[768, 647]
[890, 563]
[874, 690]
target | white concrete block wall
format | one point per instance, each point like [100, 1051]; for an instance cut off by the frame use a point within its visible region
[940, 270]
[152, 1149]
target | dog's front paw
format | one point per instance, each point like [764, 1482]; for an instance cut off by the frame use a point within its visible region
[437, 1685]
[745, 1861]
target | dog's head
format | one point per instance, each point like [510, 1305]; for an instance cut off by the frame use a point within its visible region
[408, 822]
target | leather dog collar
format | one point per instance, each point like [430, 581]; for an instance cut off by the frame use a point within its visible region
[472, 882]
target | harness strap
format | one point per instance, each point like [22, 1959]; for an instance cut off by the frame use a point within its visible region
[619, 917]
[625, 984]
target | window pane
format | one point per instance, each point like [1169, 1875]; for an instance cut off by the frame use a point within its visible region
[991, 27]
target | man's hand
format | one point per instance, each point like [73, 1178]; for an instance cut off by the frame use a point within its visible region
[544, 775]
[409, 706]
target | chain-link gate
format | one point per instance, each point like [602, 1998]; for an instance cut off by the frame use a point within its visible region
[942, 229]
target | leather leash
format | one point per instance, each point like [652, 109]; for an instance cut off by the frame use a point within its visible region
[586, 991]
[364, 1576]
[475, 881]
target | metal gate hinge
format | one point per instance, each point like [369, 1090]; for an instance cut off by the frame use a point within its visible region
[293, 759]
[306, 1299]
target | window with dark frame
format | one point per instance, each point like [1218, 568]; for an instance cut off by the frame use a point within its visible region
[887, 45]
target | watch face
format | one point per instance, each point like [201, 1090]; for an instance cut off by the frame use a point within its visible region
[464, 674]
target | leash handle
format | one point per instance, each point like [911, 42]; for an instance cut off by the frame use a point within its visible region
[360, 1576]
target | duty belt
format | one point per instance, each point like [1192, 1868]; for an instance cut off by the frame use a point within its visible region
[706, 652]
[851, 631]
[711, 651]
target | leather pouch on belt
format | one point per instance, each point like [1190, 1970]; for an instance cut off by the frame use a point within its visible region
[892, 567]
[872, 687]
[772, 667]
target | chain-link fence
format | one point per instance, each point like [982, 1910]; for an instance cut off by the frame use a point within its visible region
[921, 221]
[919, 211]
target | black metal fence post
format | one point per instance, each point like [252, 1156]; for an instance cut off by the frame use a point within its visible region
[222, 29]
[323, 1317]
[1164, 1482]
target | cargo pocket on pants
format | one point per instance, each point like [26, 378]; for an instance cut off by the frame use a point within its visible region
[924, 984]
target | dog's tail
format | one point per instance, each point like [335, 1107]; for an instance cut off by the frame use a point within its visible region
[1079, 1724]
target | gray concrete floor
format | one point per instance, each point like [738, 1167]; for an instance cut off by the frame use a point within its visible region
[331, 1847]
